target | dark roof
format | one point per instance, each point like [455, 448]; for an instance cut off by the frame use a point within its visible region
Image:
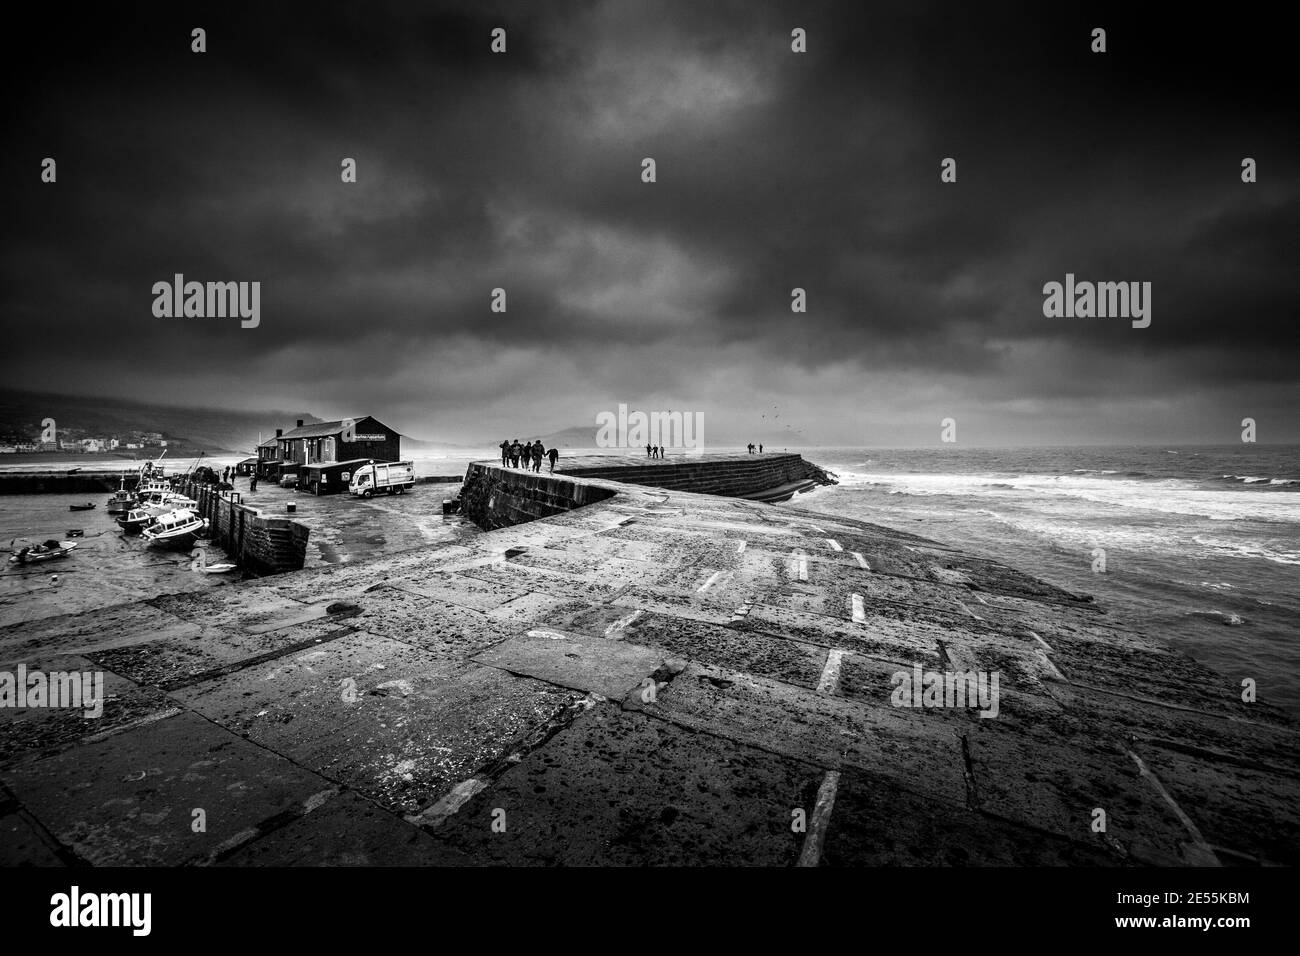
[269, 443]
[325, 429]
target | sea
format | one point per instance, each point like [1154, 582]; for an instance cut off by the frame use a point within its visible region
[1201, 544]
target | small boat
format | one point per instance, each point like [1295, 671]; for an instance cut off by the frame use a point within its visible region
[76, 533]
[88, 506]
[46, 551]
[176, 529]
[137, 519]
[121, 502]
[223, 568]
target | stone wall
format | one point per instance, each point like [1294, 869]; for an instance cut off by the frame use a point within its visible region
[496, 497]
[260, 545]
[62, 482]
[732, 477]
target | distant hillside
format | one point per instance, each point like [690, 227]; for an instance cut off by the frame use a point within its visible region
[211, 429]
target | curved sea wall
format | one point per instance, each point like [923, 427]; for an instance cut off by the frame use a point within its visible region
[495, 497]
[732, 476]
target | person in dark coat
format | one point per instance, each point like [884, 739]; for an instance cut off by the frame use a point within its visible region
[538, 451]
[553, 454]
[515, 451]
[505, 453]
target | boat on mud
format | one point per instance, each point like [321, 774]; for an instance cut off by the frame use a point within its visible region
[46, 551]
[176, 529]
[137, 519]
[121, 502]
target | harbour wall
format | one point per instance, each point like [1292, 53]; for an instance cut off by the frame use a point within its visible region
[495, 497]
[731, 477]
[259, 544]
[63, 482]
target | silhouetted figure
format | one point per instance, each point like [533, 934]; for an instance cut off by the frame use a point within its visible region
[252, 483]
[505, 453]
[553, 454]
[538, 451]
[760, 449]
[648, 449]
[515, 451]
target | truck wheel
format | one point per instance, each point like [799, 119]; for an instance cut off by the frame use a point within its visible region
[401, 490]
[366, 493]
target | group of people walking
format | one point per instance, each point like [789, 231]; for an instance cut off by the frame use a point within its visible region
[751, 446]
[654, 451]
[513, 453]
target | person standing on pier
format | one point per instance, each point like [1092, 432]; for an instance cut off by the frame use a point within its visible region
[553, 454]
[505, 453]
[760, 449]
[515, 451]
[648, 449]
[539, 451]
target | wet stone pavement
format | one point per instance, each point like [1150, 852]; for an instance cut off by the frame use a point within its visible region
[661, 678]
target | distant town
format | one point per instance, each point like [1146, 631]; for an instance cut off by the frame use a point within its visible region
[79, 441]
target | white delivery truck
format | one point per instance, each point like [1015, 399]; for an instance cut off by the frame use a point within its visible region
[393, 477]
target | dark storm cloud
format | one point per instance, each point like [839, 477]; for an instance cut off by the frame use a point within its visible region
[775, 170]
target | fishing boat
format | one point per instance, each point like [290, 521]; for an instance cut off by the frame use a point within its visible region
[151, 486]
[121, 502]
[176, 529]
[46, 551]
[137, 519]
[88, 506]
[163, 501]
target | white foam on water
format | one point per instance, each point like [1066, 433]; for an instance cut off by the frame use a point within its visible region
[1166, 496]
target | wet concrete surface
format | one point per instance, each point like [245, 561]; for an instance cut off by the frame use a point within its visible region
[661, 678]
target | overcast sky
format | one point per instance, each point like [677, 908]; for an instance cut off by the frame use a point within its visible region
[522, 170]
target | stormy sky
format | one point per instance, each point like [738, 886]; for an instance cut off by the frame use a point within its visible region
[775, 170]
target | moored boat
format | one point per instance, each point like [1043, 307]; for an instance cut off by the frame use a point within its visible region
[46, 551]
[121, 502]
[176, 529]
[137, 519]
[88, 506]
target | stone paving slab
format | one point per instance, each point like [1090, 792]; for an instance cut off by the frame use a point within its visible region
[78, 633]
[623, 789]
[875, 824]
[21, 844]
[1246, 811]
[1053, 774]
[129, 799]
[589, 664]
[822, 729]
[410, 727]
[48, 729]
[762, 655]
[346, 831]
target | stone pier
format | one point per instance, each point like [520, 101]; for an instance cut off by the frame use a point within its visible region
[644, 676]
